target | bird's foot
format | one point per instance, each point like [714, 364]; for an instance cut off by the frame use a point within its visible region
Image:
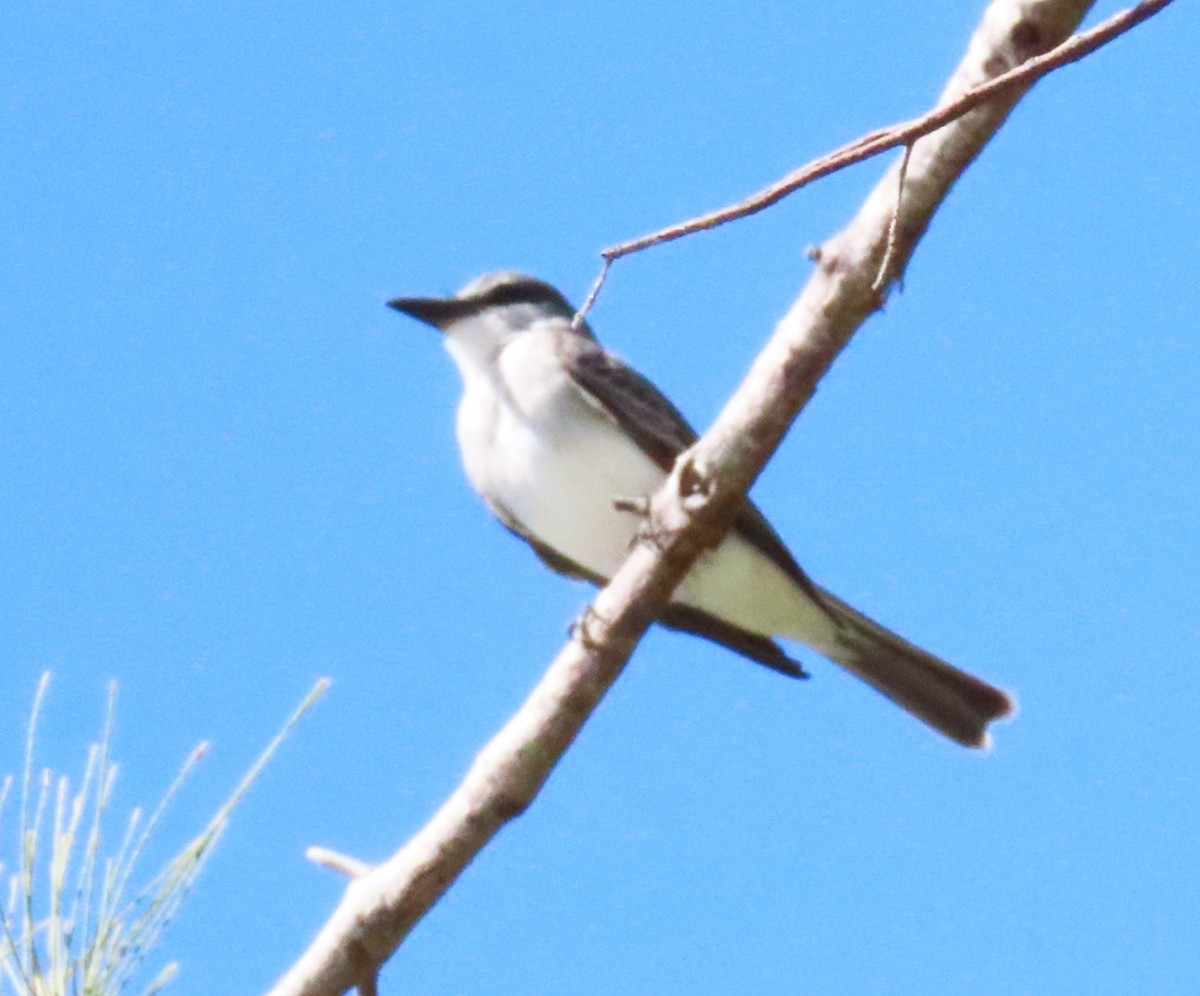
[579, 628]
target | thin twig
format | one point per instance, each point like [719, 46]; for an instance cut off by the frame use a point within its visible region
[1072, 50]
[889, 253]
[581, 314]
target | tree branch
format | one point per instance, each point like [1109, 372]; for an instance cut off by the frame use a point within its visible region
[694, 507]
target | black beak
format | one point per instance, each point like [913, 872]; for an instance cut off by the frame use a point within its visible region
[436, 311]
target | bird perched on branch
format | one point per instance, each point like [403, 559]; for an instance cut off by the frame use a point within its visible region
[557, 435]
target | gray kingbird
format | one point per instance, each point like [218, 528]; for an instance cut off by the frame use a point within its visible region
[555, 432]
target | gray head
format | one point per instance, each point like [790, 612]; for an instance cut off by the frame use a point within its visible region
[509, 300]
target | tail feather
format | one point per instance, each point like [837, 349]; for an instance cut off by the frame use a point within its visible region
[951, 701]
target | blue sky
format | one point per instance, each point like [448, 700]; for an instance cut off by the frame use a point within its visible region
[227, 469]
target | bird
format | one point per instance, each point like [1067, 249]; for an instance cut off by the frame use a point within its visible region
[557, 434]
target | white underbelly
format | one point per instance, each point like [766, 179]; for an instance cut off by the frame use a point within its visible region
[559, 482]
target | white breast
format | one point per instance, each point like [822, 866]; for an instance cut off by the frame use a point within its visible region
[533, 445]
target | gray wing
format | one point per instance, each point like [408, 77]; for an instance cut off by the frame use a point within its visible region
[626, 397]
[662, 433]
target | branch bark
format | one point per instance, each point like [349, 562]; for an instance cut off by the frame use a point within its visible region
[690, 513]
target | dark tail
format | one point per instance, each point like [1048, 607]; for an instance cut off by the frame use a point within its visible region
[951, 701]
